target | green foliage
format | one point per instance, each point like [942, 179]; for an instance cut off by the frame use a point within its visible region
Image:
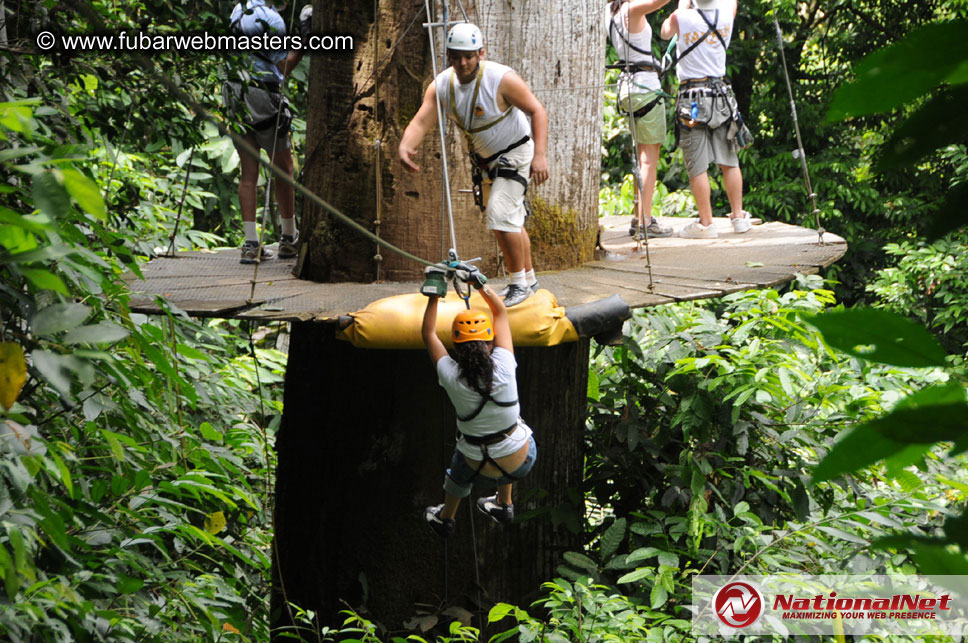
[578, 611]
[135, 467]
[703, 430]
[928, 283]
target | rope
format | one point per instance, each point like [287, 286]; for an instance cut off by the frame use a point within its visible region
[377, 257]
[796, 128]
[627, 77]
[477, 572]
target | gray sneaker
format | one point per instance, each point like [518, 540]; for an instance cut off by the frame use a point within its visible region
[657, 230]
[516, 294]
[251, 254]
[503, 292]
[289, 245]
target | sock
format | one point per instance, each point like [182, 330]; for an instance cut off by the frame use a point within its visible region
[251, 234]
[518, 278]
[288, 226]
[530, 278]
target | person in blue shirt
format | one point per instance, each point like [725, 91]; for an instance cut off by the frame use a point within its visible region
[255, 99]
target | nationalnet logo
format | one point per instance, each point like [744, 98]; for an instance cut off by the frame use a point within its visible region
[817, 605]
[738, 604]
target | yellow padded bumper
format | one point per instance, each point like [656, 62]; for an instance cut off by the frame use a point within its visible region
[394, 322]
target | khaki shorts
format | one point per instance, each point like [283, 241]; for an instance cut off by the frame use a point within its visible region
[505, 201]
[264, 115]
[649, 128]
[702, 146]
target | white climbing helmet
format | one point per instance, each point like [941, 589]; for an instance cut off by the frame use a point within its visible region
[465, 36]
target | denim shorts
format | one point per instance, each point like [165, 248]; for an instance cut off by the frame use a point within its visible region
[460, 477]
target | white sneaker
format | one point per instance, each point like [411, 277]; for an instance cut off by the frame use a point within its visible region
[742, 223]
[696, 230]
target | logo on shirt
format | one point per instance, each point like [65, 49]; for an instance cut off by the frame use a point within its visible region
[478, 110]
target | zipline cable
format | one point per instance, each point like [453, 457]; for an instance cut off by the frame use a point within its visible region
[441, 123]
[796, 127]
[378, 169]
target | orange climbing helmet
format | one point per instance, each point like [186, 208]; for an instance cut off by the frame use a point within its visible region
[472, 326]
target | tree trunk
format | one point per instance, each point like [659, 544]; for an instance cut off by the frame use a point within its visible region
[362, 450]
[367, 434]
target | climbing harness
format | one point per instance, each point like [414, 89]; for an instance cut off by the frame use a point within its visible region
[801, 154]
[480, 165]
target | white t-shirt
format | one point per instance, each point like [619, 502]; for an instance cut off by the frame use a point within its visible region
[709, 58]
[618, 33]
[493, 139]
[492, 418]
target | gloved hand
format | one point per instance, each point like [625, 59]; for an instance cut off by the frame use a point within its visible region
[435, 282]
[472, 276]
[306, 19]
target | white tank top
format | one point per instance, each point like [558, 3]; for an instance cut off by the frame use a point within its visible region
[490, 140]
[618, 33]
[709, 58]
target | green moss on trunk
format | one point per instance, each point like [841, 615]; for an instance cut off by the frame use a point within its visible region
[558, 240]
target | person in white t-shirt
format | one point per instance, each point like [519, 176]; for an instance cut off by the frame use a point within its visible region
[494, 442]
[640, 99]
[707, 115]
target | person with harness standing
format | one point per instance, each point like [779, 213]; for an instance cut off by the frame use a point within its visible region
[255, 100]
[710, 126]
[491, 105]
[493, 441]
[639, 98]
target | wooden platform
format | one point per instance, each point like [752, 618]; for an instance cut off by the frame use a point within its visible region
[215, 284]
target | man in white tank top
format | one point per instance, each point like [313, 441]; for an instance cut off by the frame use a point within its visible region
[491, 105]
[705, 109]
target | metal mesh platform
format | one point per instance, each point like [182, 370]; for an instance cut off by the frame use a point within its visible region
[215, 284]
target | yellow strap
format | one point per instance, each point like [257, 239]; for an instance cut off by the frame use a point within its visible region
[467, 129]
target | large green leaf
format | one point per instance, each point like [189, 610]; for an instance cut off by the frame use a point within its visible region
[59, 317]
[613, 537]
[879, 336]
[85, 192]
[44, 279]
[952, 214]
[50, 197]
[937, 123]
[933, 557]
[895, 75]
[930, 415]
[100, 333]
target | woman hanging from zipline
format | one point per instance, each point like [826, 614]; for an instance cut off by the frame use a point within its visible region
[493, 441]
